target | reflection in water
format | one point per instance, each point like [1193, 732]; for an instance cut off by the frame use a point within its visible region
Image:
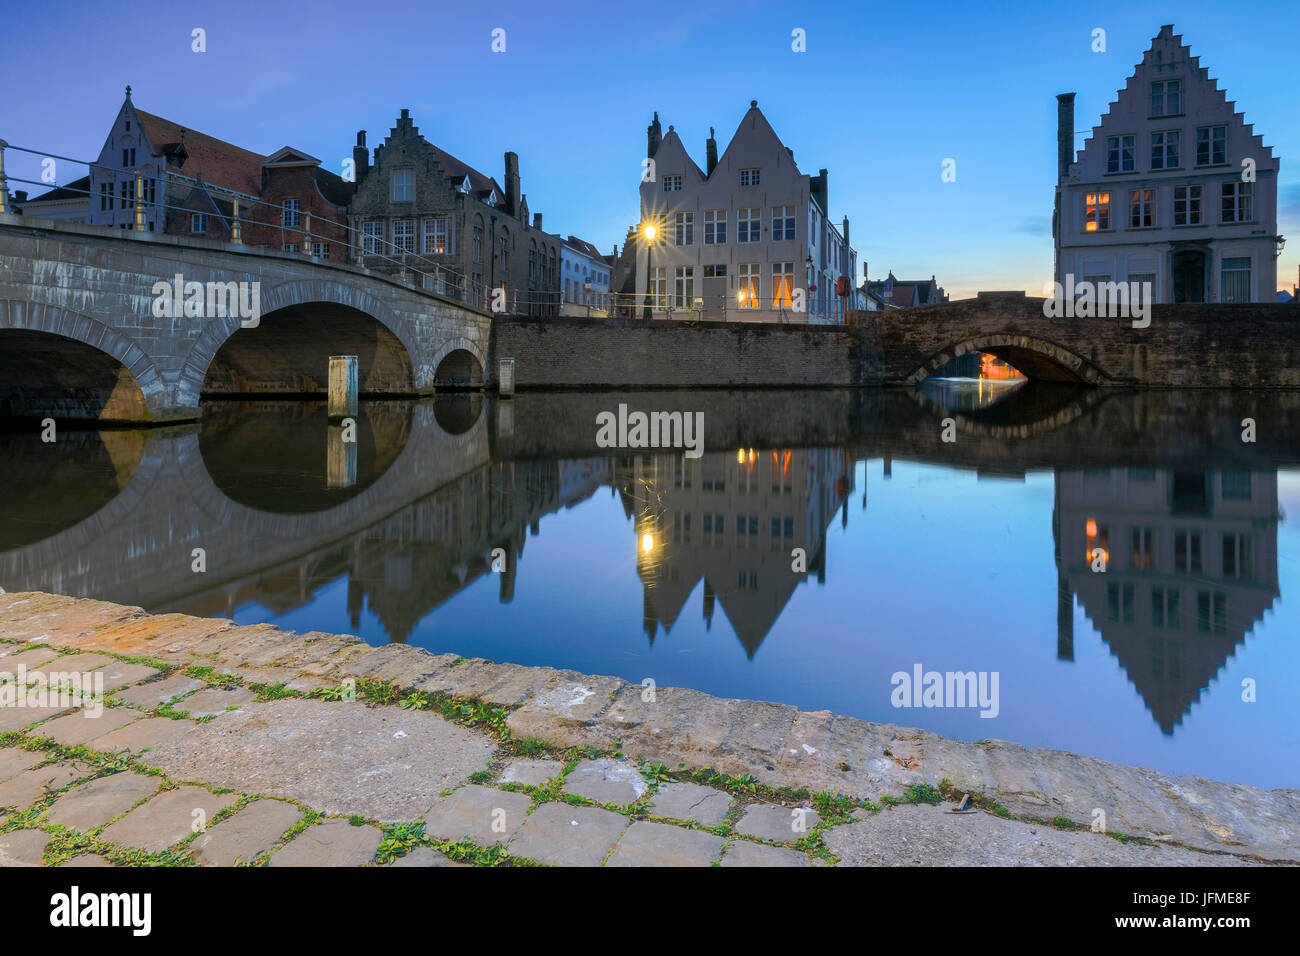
[1190, 566]
[393, 536]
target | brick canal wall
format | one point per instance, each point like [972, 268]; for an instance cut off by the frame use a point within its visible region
[1200, 346]
[572, 353]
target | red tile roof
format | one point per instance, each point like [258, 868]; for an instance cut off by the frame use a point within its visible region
[454, 169]
[218, 162]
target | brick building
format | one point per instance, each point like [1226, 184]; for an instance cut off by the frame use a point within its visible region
[422, 212]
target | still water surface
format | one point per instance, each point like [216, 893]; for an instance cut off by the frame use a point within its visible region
[978, 555]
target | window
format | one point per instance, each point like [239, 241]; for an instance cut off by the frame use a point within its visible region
[289, 247]
[1142, 539]
[1119, 602]
[125, 194]
[684, 287]
[1165, 608]
[149, 191]
[321, 250]
[1164, 149]
[672, 184]
[1187, 552]
[783, 222]
[747, 287]
[1237, 204]
[404, 235]
[1211, 612]
[782, 283]
[715, 227]
[1234, 280]
[503, 250]
[684, 229]
[403, 185]
[1235, 485]
[747, 224]
[1211, 146]
[1096, 211]
[1119, 154]
[289, 212]
[435, 237]
[749, 177]
[716, 272]
[1237, 556]
[1166, 98]
[372, 236]
[199, 222]
[1141, 208]
[1187, 205]
[659, 287]
[105, 197]
[128, 158]
[478, 242]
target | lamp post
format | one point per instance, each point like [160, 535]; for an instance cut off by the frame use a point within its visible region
[648, 231]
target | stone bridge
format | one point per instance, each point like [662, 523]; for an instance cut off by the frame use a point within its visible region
[1198, 346]
[79, 337]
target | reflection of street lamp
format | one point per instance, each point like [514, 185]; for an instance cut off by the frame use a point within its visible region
[648, 231]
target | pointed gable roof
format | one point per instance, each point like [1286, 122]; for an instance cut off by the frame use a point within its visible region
[216, 161]
[1169, 58]
[481, 187]
[753, 129]
[672, 156]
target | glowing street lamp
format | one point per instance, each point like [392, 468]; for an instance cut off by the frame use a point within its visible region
[649, 232]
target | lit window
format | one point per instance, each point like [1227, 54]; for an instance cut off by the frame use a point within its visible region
[747, 286]
[435, 236]
[1096, 212]
[782, 283]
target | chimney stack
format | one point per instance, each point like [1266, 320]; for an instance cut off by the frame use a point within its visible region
[846, 230]
[1064, 134]
[710, 153]
[512, 184]
[20, 196]
[537, 221]
[360, 157]
[653, 136]
[819, 191]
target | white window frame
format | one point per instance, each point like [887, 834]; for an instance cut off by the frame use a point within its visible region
[1192, 201]
[672, 183]
[750, 177]
[749, 223]
[401, 185]
[684, 229]
[432, 234]
[1169, 143]
[372, 237]
[404, 235]
[290, 213]
[749, 278]
[784, 215]
[1144, 206]
[1237, 202]
[1121, 153]
[199, 222]
[715, 227]
[684, 287]
[1210, 145]
[1169, 91]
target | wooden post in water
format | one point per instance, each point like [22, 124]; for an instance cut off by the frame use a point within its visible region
[342, 386]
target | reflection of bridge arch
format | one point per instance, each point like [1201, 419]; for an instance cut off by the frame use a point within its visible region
[1038, 358]
[38, 320]
[1019, 415]
[458, 363]
[399, 481]
[301, 294]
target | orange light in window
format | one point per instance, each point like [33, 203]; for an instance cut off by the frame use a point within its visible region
[1105, 199]
[1091, 528]
[1091, 227]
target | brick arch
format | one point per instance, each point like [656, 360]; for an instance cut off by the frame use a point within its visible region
[217, 332]
[1037, 357]
[457, 343]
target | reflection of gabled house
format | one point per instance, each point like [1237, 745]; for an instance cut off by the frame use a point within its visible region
[1191, 566]
[731, 521]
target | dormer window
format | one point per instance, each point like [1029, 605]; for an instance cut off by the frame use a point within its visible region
[403, 185]
[492, 199]
[1167, 98]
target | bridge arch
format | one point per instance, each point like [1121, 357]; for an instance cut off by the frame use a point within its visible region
[386, 349]
[1036, 357]
[458, 364]
[71, 365]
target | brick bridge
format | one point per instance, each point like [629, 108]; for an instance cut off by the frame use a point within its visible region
[79, 338]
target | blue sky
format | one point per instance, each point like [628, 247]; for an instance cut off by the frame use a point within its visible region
[883, 94]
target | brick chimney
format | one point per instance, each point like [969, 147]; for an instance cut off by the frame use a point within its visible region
[846, 230]
[1064, 134]
[537, 221]
[361, 157]
[653, 136]
[710, 153]
[512, 184]
[819, 190]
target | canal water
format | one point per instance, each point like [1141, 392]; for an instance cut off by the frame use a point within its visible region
[1121, 568]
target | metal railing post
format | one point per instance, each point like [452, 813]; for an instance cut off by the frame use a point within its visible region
[139, 202]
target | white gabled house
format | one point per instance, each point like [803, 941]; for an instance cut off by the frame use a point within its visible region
[1173, 187]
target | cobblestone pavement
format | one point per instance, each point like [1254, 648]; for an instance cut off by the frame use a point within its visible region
[218, 745]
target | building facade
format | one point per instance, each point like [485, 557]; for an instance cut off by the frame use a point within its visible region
[70, 203]
[421, 213]
[585, 273]
[747, 237]
[1172, 188]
